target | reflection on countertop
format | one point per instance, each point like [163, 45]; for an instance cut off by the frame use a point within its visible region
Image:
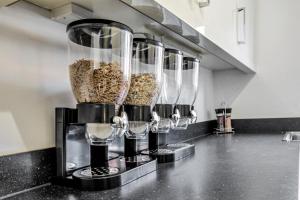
[232, 167]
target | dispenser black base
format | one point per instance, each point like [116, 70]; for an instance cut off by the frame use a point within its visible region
[75, 155]
[118, 173]
[172, 152]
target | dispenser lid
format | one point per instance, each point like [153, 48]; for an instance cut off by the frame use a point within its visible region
[169, 60]
[96, 33]
[100, 21]
[191, 59]
[148, 41]
[175, 51]
[146, 54]
[186, 62]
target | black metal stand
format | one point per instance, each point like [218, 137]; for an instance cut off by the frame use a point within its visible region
[118, 174]
[130, 147]
[99, 155]
[99, 169]
[153, 141]
[163, 152]
[133, 158]
[172, 152]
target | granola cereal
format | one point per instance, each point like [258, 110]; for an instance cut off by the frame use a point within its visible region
[142, 90]
[95, 82]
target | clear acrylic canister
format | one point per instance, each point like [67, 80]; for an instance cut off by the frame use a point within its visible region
[189, 88]
[171, 87]
[146, 80]
[99, 60]
[100, 53]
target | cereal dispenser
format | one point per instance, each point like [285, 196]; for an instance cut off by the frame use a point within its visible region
[170, 92]
[171, 89]
[171, 86]
[190, 74]
[146, 79]
[100, 53]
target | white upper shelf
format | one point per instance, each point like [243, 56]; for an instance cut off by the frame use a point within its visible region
[165, 22]
[148, 16]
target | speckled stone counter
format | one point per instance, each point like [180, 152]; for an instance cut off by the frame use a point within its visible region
[238, 167]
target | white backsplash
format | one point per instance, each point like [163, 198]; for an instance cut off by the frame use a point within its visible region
[34, 80]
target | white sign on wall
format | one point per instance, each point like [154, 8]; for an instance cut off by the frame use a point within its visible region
[241, 25]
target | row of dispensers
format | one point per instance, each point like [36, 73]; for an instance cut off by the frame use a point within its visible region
[126, 87]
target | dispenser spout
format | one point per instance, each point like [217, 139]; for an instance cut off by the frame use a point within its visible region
[176, 116]
[193, 116]
[154, 121]
[120, 121]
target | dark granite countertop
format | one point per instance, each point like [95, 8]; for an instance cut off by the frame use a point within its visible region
[238, 167]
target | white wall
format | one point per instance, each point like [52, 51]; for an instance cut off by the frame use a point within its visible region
[274, 91]
[34, 79]
[272, 44]
[204, 104]
[219, 22]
